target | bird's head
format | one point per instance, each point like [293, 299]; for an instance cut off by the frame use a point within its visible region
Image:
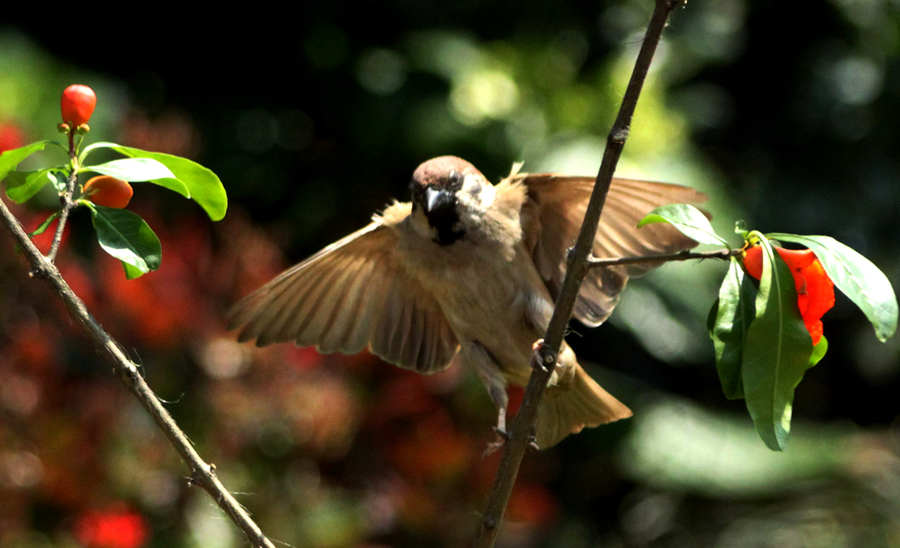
[451, 195]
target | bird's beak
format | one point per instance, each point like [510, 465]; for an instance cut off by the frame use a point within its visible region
[437, 199]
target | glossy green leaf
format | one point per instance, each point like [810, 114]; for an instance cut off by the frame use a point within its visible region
[689, 220]
[132, 169]
[731, 317]
[127, 237]
[21, 186]
[202, 185]
[857, 277]
[170, 182]
[777, 352]
[818, 352]
[11, 158]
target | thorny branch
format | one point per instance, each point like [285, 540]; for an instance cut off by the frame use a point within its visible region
[202, 474]
[576, 270]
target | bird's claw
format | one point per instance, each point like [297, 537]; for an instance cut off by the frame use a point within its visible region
[497, 444]
[503, 439]
[542, 356]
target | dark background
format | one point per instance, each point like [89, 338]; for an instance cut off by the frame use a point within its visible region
[314, 117]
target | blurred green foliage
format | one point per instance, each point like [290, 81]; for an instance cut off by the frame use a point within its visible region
[785, 114]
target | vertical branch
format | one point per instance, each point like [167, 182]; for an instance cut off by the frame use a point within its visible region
[545, 356]
[67, 207]
[66, 198]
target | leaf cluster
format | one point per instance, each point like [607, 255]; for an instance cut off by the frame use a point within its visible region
[761, 344]
[121, 233]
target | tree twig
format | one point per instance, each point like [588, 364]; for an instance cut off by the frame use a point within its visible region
[67, 206]
[202, 474]
[577, 268]
[594, 262]
[66, 197]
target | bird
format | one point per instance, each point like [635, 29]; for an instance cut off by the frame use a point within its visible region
[468, 272]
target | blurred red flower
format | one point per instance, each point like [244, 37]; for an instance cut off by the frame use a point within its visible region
[112, 527]
[11, 136]
[815, 290]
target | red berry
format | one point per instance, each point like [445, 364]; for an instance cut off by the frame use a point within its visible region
[78, 104]
[108, 191]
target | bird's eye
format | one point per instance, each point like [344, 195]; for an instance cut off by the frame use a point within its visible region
[455, 179]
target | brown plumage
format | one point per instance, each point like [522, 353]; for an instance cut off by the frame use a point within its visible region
[470, 271]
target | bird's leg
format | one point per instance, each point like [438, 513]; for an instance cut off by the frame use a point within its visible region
[492, 377]
[500, 430]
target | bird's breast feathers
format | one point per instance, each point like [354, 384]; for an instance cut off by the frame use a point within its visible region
[482, 279]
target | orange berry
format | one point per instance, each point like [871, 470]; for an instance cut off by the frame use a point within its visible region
[78, 104]
[108, 191]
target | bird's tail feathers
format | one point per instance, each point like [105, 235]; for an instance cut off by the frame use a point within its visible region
[567, 410]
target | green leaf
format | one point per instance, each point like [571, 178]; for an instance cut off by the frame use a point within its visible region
[132, 169]
[777, 352]
[202, 185]
[818, 352]
[857, 277]
[45, 225]
[21, 186]
[732, 315]
[175, 185]
[59, 177]
[11, 158]
[127, 237]
[131, 272]
[687, 219]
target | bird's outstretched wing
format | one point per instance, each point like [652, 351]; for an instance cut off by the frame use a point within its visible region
[552, 217]
[351, 295]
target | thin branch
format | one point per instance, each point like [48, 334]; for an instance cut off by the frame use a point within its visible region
[545, 356]
[67, 206]
[725, 254]
[65, 199]
[202, 474]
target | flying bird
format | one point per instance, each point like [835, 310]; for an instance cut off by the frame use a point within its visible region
[469, 271]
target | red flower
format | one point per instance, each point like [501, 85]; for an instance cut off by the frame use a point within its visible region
[815, 290]
[113, 527]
